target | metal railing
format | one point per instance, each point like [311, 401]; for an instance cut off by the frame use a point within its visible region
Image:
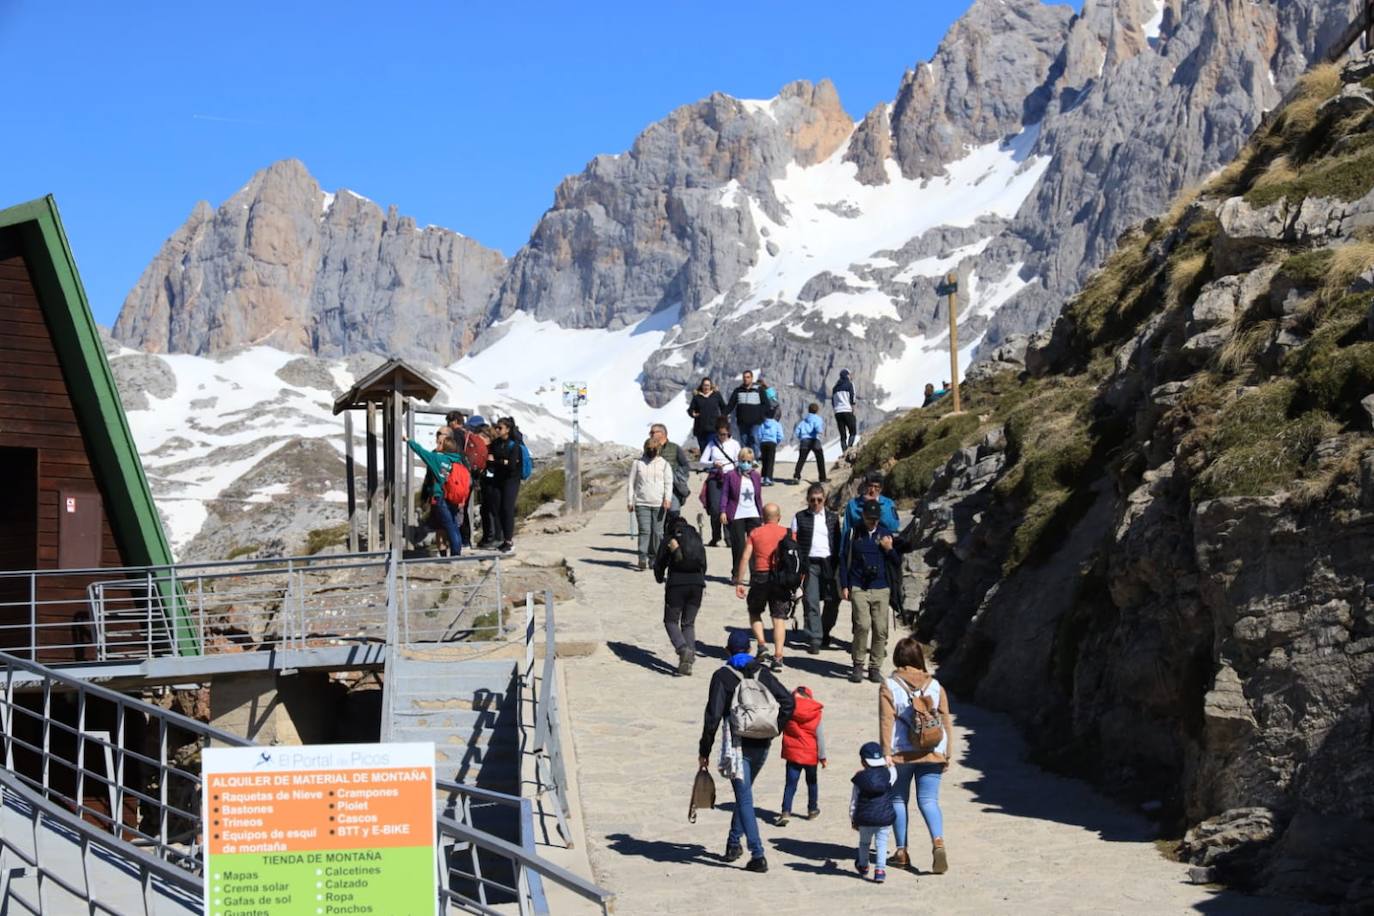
[124, 766]
[137, 613]
[550, 770]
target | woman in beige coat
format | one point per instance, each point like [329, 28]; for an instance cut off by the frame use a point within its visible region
[909, 698]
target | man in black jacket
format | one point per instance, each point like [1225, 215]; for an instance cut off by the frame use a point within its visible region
[684, 580]
[750, 408]
[754, 751]
[816, 530]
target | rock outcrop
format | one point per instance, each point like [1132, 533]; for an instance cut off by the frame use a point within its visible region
[1154, 547]
[286, 264]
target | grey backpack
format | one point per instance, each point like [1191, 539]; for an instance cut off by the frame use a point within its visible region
[753, 709]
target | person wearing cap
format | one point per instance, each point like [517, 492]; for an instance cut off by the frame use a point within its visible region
[871, 491]
[741, 663]
[871, 808]
[911, 684]
[842, 402]
[864, 583]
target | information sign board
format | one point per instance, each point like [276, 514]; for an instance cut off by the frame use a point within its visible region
[574, 394]
[319, 830]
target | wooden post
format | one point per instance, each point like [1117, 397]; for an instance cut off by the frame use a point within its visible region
[350, 473]
[398, 464]
[372, 476]
[952, 282]
[388, 472]
[408, 491]
[1369, 25]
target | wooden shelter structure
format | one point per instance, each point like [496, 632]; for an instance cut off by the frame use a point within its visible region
[74, 496]
[387, 392]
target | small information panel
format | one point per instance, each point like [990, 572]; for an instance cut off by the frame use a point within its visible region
[320, 830]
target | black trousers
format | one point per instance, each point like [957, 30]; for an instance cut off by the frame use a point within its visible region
[770, 452]
[713, 488]
[510, 489]
[680, 606]
[491, 503]
[811, 446]
[739, 533]
[848, 427]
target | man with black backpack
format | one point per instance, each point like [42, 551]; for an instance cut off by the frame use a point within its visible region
[755, 709]
[681, 565]
[775, 572]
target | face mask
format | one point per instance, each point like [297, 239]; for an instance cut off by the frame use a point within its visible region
[745, 465]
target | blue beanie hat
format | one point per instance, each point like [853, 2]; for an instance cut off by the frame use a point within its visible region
[738, 642]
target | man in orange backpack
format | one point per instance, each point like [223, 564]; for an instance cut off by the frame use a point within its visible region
[442, 464]
[466, 433]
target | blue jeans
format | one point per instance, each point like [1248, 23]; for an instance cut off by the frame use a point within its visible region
[450, 523]
[744, 824]
[749, 438]
[789, 789]
[866, 836]
[927, 776]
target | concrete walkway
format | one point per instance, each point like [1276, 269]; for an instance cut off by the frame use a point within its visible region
[1018, 838]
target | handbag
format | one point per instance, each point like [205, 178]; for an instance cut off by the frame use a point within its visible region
[703, 794]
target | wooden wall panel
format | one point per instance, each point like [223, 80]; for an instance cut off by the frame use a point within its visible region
[37, 412]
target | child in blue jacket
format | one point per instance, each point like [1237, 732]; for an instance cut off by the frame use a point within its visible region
[769, 435]
[809, 432]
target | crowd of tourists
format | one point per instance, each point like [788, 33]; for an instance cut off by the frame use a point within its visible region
[819, 558]
[473, 465]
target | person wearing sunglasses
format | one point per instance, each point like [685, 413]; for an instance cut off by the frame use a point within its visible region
[816, 529]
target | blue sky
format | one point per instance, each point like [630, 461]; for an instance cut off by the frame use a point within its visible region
[462, 114]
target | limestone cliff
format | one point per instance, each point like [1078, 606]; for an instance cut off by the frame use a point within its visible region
[1154, 546]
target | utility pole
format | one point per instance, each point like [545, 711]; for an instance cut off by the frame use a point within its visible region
[951, 287]
[574, 394]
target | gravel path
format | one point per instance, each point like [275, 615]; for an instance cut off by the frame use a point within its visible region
[1018, 838]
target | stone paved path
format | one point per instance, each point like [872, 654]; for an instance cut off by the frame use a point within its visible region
[1018, 838]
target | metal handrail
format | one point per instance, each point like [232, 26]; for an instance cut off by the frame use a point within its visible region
[152, 869]
[148, 798]
[138, 613]
[550, 768]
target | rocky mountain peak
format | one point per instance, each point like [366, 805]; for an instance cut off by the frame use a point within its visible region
[284, 263]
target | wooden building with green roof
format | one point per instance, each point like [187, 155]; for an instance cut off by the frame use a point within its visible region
[74, 494]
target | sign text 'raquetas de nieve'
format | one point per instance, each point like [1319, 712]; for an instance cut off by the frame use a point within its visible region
[320, 830]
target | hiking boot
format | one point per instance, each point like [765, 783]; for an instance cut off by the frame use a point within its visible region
[813, 814]
[899, 858]
[875, 676]
[939, 862]
[759, 865]
[856, 676]
[685, 657]
[506, 547]
[782, 818]
[732, 853]
[813, 649]
[861, 869]
[643, 564]
[776, 665]
[879, 875]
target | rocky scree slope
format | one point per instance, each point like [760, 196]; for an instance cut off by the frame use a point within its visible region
[780, 233]
[1155, 545]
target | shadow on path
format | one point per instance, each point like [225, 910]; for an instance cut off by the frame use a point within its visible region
[664, 851]
[632, 551]
[613, 564]
[636, 655]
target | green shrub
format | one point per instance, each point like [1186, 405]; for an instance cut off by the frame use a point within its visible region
[542, 487]
[1259, 444]
[1347, 177]
[320, 538]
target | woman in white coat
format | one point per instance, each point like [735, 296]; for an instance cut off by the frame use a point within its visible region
[649, 495]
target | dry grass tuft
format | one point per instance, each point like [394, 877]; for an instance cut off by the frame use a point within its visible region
[1279, 173]
[1183, 277]
[1227, 181]
[1243, 346]
[1316, 86]
[1347, 263]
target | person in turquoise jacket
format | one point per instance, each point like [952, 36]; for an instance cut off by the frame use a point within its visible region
[872, 490]
[770, 437]
[810, 431]
[440, 463]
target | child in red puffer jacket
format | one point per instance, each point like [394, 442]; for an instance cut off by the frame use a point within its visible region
[803, 747]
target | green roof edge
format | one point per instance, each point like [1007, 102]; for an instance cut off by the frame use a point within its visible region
[90, 382]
